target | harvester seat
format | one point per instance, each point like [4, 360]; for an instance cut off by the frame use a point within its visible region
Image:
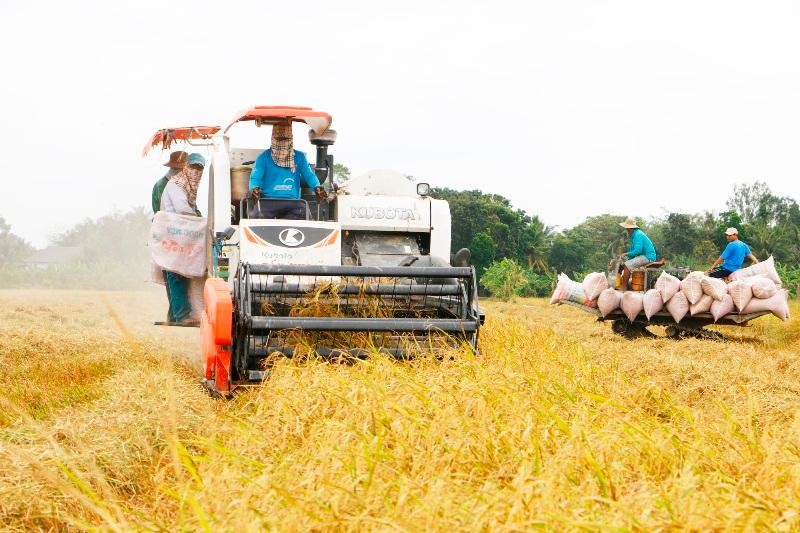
[274, 208]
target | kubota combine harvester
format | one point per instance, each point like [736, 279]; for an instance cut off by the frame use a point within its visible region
[368, 271]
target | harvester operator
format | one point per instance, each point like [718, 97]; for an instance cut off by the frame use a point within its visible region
[732, 257]
[278, 173]
[180, 196]
[640, 252]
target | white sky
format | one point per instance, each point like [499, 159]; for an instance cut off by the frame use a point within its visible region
[569, 109]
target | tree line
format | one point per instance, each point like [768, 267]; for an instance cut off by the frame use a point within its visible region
[509, 240]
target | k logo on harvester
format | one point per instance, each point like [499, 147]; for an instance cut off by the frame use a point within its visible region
[291, 237]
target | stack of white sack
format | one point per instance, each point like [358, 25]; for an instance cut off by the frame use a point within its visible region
[754, 289]
[631, 302]
[672, 298]
[765, 268]
[585, 293]
[695, 294]
[651, 302]
[758, 288]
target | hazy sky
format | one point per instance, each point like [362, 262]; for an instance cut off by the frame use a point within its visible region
[569, 109]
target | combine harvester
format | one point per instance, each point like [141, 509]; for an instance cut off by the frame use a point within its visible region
[368, 271]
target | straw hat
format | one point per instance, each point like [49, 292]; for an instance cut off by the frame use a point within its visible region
[629, 223]
[731, 231]
[177, 160]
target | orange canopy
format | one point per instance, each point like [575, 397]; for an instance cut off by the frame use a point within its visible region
[319, 121]
[167, 136]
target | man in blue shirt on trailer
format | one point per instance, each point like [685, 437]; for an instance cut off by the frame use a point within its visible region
[732, 257]
[278, 173]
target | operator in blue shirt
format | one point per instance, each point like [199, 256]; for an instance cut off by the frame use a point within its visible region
[732, 257]
[278, 173]
[641, 251]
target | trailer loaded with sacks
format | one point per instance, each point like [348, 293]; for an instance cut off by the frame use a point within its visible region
[683, 301]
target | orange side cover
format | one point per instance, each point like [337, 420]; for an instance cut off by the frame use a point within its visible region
[219, 307]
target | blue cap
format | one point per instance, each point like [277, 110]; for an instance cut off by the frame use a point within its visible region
[197, 159]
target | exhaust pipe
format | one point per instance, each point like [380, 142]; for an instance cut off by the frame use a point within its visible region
[323, 167]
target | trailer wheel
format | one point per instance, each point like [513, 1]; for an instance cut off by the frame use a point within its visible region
[631, 330]
[673, 332]
[620, 326]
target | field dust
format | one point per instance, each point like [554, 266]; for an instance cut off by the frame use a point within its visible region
[561, 425]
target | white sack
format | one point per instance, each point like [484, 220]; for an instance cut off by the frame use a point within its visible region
[678, 306]
[568, 291]
[608, 301]
[632, 304]
[778, 305]
[720, 308]
[692, 288]
[594, 284]
[762, 287]
[765, 268]
[667, 285]
[714, 287]
[178, 243]
[703, 305]
[741, 292]
[652, 303]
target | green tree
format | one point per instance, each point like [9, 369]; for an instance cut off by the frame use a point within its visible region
[676, 235]
[756, 204]
[769, 222]
[340, 172]
[536, 241]
[483, 252]
[13, 249]
[515, 234]
[505, 279]
[588, 246]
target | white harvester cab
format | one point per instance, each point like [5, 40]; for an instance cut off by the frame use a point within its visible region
[367, 271]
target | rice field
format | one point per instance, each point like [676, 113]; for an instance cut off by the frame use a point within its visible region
[560, 426]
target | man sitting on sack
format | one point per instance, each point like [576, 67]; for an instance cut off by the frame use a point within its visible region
[732, 257]
[640, 252]
[278, 173]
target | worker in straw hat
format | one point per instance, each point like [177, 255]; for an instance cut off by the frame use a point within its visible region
[640, 252]
[732, 257]
[177, 160]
